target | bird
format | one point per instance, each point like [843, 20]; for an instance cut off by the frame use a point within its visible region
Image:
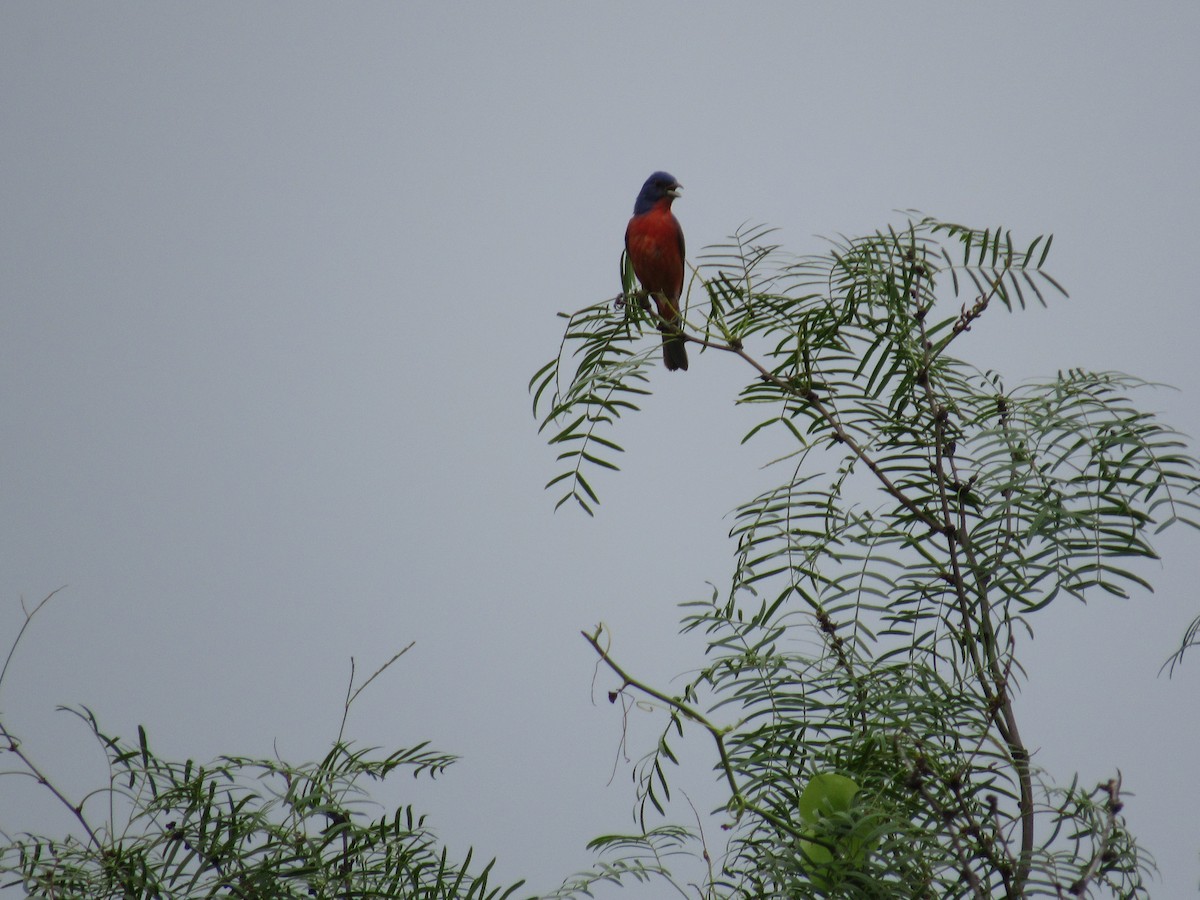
[654, 244]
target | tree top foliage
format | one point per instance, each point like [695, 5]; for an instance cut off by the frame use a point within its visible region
[926, 512]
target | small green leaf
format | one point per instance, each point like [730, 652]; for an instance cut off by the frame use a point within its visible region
[628, 278]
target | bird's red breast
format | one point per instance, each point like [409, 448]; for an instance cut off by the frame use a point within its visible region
[654, 242]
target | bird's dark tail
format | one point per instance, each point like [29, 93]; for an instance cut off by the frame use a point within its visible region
[674, 352]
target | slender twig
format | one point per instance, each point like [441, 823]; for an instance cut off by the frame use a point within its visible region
[703, 841]
[29, 614]
[352, 695]
[986, 844]
[956, 843]
[684, 709]
[738, 799]
[1112, 808]
[14, 745]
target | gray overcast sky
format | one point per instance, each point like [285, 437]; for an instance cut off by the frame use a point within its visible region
[274, 278]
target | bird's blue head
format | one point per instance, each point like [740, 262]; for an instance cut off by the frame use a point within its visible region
[657, 186]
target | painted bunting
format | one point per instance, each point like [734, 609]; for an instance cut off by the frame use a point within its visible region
[654, 242]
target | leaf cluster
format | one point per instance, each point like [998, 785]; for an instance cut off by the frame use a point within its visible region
[927, 511]
[243, 827]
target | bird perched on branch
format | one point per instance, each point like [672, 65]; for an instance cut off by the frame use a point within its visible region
[654, 243]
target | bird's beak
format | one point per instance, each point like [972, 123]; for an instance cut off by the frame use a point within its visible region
[674, 191]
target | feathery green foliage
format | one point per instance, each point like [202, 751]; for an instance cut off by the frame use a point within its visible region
[927, 512]
[242, 828]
